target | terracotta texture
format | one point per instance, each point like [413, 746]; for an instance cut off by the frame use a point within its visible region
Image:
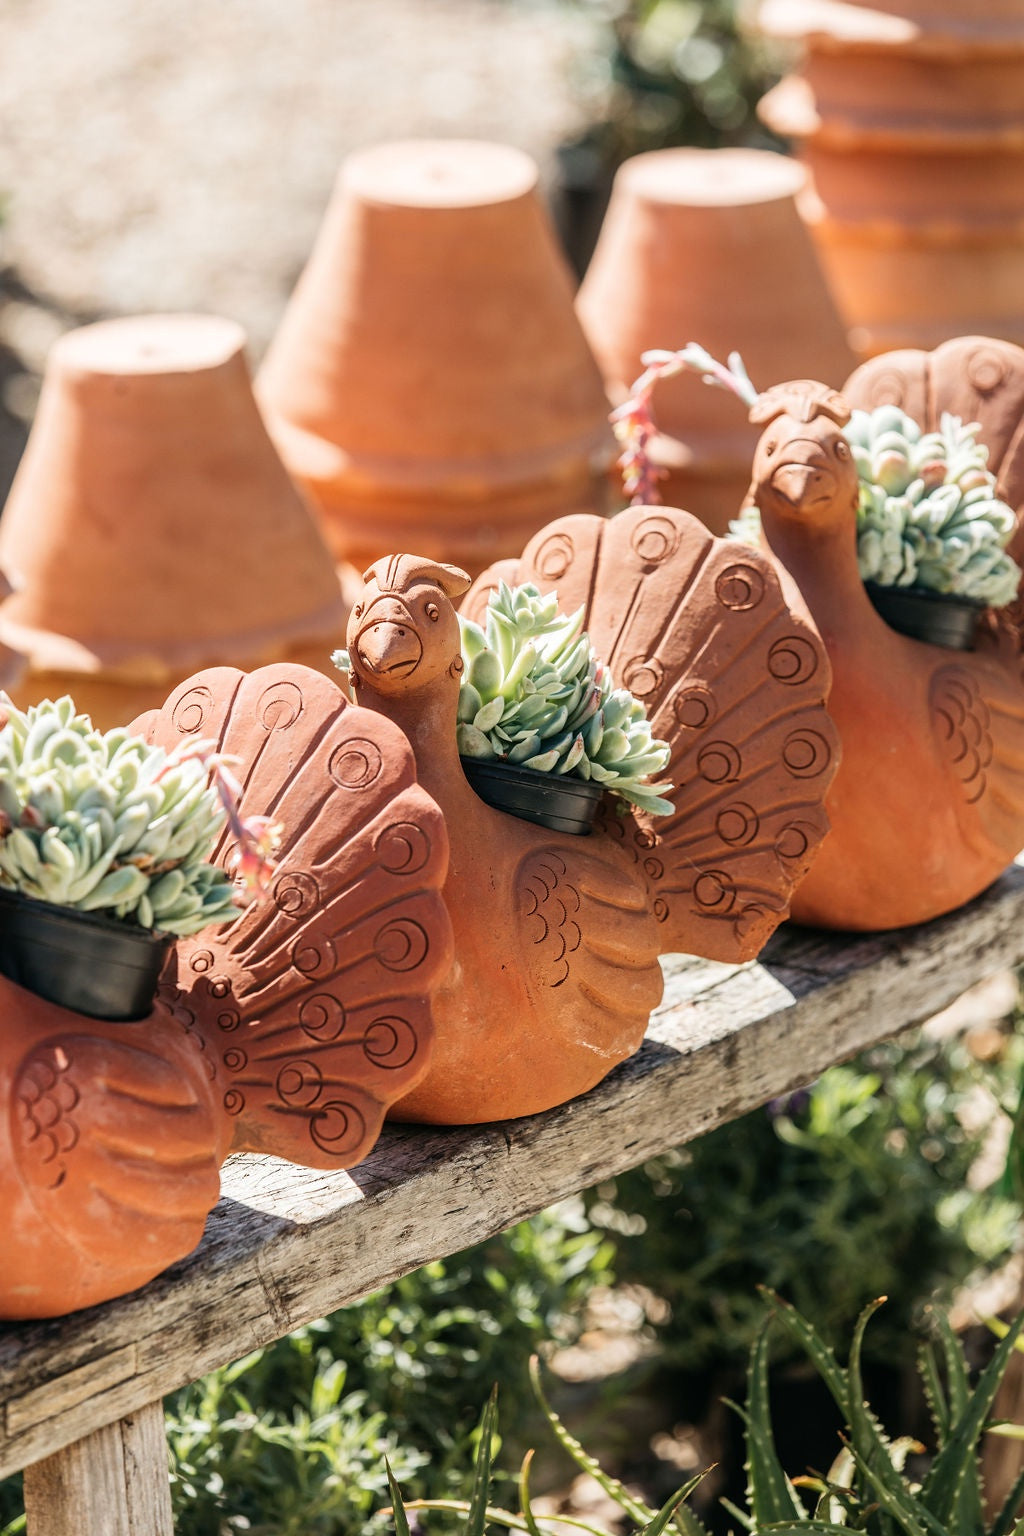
[290, 1031]
[151, 527]
[557, 937]
[429, 385]
[928, 805]
[909, 115]
[692, 241]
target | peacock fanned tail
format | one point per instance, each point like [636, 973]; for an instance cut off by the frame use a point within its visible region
[313, 1005]
[698, 629]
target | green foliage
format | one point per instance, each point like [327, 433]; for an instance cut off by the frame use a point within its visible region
[867, 1488]
[478, 1511]
[853, 1189]
[293, 1441]
[929, 514]
[104, 822]
[676, 72]
[534, 693]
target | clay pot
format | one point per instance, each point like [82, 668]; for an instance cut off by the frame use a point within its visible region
[151, 527]
[557, 936]
[909, 118]
[927, 808]
[429, 385]
[692, 242]
[288, 1031]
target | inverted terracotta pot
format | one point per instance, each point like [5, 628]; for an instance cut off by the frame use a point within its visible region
[692, 242]
[557, 936]
[928, 805]
[903, 288]
[937, 28]
[151, 527]
[289, 1031]
[430, 386]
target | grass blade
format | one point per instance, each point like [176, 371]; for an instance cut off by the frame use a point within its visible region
[476, 1522]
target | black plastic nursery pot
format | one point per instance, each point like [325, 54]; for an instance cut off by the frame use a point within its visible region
[555, 801]
[938, 617]
[90, 964]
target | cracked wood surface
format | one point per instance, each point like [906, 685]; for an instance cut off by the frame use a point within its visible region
[288, 1244]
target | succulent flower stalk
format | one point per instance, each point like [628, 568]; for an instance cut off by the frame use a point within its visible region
[929, 515]
[534, 693]
[105, 822]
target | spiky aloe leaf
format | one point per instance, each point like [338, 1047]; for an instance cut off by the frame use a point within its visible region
[671, 1509]
[870, 1446]
[943, 1488]
[935, 1396]
[637, 1511]
[505, 1517]
[1006, 1520]
[896, 1500]
[821, 1357]
[770, 1494]
[397, 1505]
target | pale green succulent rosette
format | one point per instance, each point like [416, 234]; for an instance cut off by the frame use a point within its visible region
[104, 822]
[928, 514]
[534, 693]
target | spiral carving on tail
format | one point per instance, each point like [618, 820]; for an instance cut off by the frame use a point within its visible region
[313, 1005]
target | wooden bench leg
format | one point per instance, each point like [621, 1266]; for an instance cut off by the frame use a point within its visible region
[113, 1483]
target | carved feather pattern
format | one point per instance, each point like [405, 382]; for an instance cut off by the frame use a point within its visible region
[314, 1004]
[698, 628]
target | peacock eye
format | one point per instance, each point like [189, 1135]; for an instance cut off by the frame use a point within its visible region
[357, 611]
[842, 449]
[432, 612]
[769, 449]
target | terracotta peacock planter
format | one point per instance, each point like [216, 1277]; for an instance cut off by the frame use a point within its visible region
[909, 115]
[429, 385]
[692, 242]
[151, 527]
[928, 805]
[557, 937]
[289, 1031]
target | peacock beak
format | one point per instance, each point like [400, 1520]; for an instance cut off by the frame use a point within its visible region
[387, 644]
[803, 484]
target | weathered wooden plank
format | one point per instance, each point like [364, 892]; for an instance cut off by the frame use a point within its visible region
[114, 1481]
[285, 1244]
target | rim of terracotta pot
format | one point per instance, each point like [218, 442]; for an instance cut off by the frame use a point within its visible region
[918, 28]
[82, 961]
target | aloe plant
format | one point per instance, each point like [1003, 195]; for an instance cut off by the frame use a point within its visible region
[105, 822]
[868, 1488]
[534, 693]
[929, 514]
[673, 1517]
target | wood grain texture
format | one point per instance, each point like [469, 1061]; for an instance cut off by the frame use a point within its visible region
[287, 1244]
[114, 1482]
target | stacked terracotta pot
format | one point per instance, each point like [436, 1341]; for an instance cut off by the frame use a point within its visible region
[151, 528]
[708, 246]
[910, 116]
[430, 387]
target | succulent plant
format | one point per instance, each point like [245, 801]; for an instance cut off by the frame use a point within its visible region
[534, 693]
[104, 822]
[929, 515]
